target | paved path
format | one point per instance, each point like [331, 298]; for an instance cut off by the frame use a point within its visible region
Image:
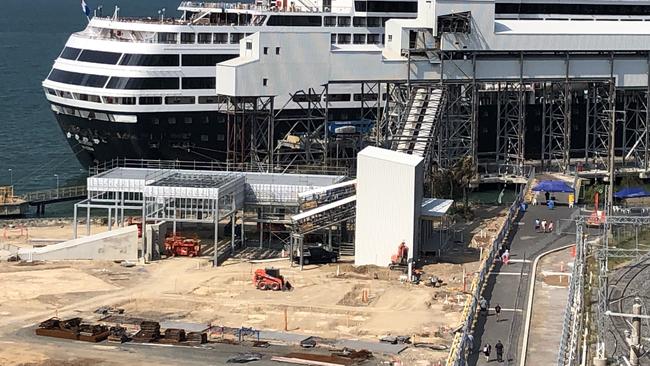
[549, 301]
[503, 282]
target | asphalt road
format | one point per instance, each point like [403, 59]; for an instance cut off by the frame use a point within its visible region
[504, 281]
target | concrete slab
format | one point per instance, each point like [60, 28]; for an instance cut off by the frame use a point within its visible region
[549, 301]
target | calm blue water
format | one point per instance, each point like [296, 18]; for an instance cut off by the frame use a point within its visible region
[32, 34]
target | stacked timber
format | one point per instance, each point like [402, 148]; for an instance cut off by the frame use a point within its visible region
[197, 338]
[117, 334]
[173, 336]
[149, 332]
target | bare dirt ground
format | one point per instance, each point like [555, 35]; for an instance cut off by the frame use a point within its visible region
[326, 301]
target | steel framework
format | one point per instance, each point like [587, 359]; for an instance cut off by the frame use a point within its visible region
[458, 136]
[635, 133]
[600, 113]
[511, 128]
[556, 125]
[250, 128]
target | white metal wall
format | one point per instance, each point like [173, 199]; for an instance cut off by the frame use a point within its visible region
[389, 193]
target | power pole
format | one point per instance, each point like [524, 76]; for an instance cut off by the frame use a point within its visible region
[635, 337]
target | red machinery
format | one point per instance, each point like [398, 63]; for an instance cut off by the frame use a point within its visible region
[181, 246]
[400, 259]
[130, 221]
[597, 218]
[269, 279]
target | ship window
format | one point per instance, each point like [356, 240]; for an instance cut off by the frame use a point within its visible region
[330, 21]
[119, 100]
[359, 22]
[365, 97]
[236, 37]
[390, 38]
[179, 100]
[209, 99]
[150, 100]
[99, 57]
[156, 121]
[205, 60]
[89, 98]
[70, 53]
[221, 137]
[50, 91]
[300, 98]
[277, 50]
[373, 22]
[343, 21]
[142, 83]
[199, 83]
[75, 78]
[344, 39]
[570, 8]
[266, 50]
[171, 120]
[294, 20]
[188, 38]
[220, 38]
[204, 138]
[374, 39]
[249, 45]
[265, 82]
[359, 39]
[333, 36]
[169, 38]
[130, 59]
[187, 120]
[387, 6]
[337, 97]
[205, 38]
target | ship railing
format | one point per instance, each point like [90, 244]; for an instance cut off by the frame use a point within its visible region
[215, 166]
[247, 6]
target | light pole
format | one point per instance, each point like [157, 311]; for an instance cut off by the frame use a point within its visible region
[57, 185]
[11, 177]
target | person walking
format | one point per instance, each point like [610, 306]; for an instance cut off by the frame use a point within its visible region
[499, 348]
[537, 224]
[543, 225]
[483, 305]
[505, 258]
[550, 227]
[470, 344]
[547, 195]
[497, 311]
[487, 349]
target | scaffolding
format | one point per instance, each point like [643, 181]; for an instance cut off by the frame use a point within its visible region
[198, 196]
[635, 133]
[511, 126]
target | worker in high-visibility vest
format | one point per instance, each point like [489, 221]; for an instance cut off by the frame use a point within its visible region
[572, 198]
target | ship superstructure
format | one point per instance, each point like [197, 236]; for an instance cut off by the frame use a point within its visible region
[145, 87]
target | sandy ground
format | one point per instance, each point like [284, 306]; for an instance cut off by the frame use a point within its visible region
[321, 303]
[327, 300]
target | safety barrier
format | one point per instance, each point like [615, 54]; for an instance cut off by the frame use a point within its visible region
[456, 353]
[572, 324]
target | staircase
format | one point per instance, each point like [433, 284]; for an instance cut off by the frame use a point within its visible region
[416, 134]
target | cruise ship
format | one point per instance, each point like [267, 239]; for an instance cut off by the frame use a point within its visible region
[145, 87]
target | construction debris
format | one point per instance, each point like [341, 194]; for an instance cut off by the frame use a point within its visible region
[312, 359]
[395, 339]
[105, 310]
[245, 357]
[149, 332]
[117, 335]
[72, 329]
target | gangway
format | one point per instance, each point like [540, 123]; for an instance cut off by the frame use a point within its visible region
[417, 133]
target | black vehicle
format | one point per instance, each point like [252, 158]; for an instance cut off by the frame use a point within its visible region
[316, 255]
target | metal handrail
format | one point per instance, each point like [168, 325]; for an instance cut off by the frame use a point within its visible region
[55, 194]
[215, 166]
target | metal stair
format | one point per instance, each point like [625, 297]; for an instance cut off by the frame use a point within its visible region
[417, 132]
